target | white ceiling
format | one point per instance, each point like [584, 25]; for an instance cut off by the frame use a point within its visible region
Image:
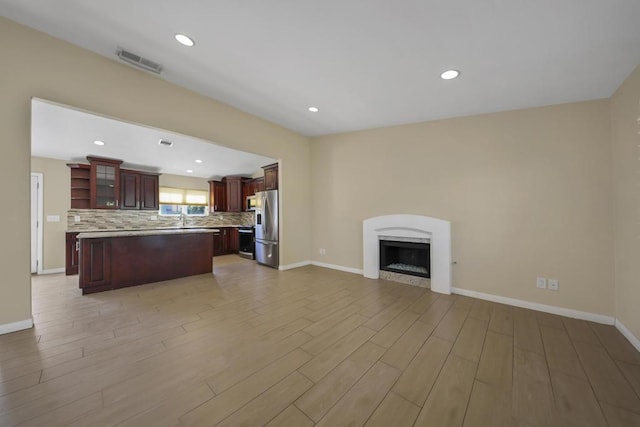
[364, 63]
[64, 133]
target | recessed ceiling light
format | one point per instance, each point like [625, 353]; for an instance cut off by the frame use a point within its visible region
[314, 109]
[198, 161]
[450, 74]
[98, 142]
[189, 171]
[184, 40]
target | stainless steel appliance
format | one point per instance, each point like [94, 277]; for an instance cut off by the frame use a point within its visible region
[245, 242]
[266, 215]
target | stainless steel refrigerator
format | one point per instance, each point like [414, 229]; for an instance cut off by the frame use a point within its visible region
[266, 215]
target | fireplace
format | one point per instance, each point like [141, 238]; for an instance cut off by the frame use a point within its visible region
[412, 228]
[406, 257]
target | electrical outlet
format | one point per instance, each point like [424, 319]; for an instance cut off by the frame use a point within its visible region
[153, 218]
[541, 282]
[553, 284]
[76, 218]
[323, 251]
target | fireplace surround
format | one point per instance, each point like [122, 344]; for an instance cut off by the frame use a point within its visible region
[409, 227]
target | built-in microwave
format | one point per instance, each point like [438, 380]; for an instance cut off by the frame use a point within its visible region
[251, 203]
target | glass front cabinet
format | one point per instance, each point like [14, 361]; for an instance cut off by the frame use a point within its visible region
[105, 183]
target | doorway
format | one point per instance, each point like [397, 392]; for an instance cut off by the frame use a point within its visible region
[36, 223]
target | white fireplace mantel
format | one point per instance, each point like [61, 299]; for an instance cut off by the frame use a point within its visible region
[410, 226]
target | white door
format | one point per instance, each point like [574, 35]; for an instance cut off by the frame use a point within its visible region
[35, 188]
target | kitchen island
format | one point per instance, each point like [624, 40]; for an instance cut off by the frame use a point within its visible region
[117, 259]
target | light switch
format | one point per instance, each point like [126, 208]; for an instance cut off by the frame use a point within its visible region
[53, 218]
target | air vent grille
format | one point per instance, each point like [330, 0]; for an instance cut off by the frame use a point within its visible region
[165, 143]
[139, 61]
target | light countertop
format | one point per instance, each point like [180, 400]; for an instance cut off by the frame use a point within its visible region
[156, 232]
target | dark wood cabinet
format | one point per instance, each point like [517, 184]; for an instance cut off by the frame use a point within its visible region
[104, 179]
[149, 191]
[129, 190]
[217, 196]
[270, 177]
[72, 252]
[234, 240]
[96, 263]
[138, 190]
[234, 194]
[258, 184]
[227, 241]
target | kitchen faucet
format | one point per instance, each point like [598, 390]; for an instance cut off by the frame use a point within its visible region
[183, 218]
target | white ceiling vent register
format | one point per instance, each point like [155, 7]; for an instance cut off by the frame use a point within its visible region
[165, 143]
[139, 61]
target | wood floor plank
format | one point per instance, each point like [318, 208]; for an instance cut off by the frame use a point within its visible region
[364, 397]
[501, 321]
[418, 378]
[471, 339]
[496, 361]
[325, 393]
[617, 417]
[394, 411]
[488, 406]
[447, 402]
[269, 404]
[291, 417]
[406, 347]
[450, 325]
[609, 384]
[532, 397]
[526, 332]
[394, 329]
[632, 374]
[575, 402]
[616, 344]
[324, 362]
[320, 342]
[580, 331]
[223, 405]
[560, 353]
[167, 412]
[436, 311]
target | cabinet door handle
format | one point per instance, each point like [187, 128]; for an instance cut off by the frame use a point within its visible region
[78, 245]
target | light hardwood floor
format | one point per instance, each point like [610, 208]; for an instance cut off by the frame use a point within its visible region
[255, 346]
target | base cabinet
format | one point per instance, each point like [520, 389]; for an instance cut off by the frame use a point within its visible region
[226, 242]
[95, 268]
[72, 253]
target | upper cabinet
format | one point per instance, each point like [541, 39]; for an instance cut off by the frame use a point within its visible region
[217, 196]
[234, 194]
[138, 190]
[103, 185]
[270, 177]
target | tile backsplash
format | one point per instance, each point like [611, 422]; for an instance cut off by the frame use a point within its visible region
[102, 220]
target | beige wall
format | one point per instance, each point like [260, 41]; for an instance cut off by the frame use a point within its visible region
[177, 181]
[45, 67]
[527, 193]
[625, 120]
[56, 201]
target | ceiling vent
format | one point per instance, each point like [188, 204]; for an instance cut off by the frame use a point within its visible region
[165, 143]
[139, 61]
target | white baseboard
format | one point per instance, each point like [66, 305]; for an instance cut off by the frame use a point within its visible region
[52, 271]
[294, 265]
[576, 314]
[628, 334]
[7, 328]
[338, 267]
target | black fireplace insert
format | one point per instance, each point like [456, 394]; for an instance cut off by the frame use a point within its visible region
[410, 258]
